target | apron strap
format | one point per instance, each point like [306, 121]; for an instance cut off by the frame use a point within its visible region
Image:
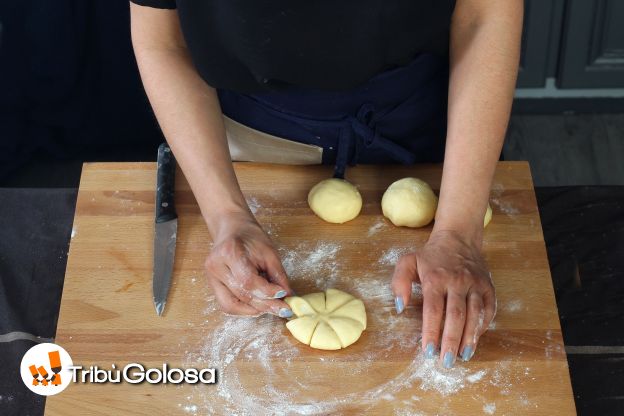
[360, 131]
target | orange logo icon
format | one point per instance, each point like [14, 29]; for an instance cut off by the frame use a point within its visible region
[45, 369]
[55, 366]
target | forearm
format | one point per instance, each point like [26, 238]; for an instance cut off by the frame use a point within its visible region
[484, 55]
[189, 114]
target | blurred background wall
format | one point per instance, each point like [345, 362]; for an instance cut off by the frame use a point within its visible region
[69, 85]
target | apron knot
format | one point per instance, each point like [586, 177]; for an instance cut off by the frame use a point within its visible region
[361, 132]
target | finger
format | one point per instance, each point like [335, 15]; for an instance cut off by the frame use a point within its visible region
[433, 311]
[404, 273]
[219, 272]
[454, 322]
[230, 304]
[273, 306]
[489, 305]
[248, 283]
[275, 271]
[475, 317]
[260, 301]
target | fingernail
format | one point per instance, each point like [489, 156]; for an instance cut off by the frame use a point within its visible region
[449, 357]
[398, 304]
[280, 294]
[430, 351]
[285, 313]
[467, 353]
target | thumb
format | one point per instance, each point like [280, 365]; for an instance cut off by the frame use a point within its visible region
[405, 272]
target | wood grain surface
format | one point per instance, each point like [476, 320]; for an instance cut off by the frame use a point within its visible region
[107, 315]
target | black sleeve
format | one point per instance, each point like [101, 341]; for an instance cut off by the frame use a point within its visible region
[158, 4]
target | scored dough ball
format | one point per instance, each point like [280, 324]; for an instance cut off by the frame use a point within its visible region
[409, 202]
[488, 216]
[335, 200]
[328, 320]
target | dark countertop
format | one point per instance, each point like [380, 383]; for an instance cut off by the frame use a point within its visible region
[584, 232]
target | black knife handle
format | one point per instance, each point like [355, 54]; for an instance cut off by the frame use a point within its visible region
[165, 185]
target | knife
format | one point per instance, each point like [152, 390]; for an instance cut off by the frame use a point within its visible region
[166, 227]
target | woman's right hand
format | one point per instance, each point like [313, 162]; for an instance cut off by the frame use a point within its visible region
[245, 270]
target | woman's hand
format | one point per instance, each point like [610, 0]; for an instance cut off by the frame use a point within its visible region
[456, 287]
[245, 271]
[243, 268]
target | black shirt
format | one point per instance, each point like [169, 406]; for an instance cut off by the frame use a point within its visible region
[251, 46]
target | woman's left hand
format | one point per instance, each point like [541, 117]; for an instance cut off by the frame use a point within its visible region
[457, 289]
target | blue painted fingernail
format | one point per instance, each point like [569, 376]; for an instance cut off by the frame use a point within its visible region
[285, 313]
[398, 304]
[449, 357]
[280, 294]
[430, 351]
[467, 353]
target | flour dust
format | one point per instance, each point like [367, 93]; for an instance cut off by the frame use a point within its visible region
[264, 371]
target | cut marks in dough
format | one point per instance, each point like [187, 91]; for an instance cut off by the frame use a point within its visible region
[328, 320]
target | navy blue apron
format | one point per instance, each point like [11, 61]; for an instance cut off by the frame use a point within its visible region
[399, 116]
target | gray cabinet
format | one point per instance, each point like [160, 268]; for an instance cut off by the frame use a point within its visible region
[580, 43]
[538, 17]
[592, 52]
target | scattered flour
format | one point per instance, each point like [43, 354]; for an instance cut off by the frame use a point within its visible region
[253, 204]
[505, 206]
[74, 231]
[407, 412]
[211, 307]
[514, 306]
[473, 378]
[489, 408]
[524, 400]
[391, 256]
[318, 262]
[372, 289]
[241, 346]
[376, 227]
[500, 378]
[258, 345]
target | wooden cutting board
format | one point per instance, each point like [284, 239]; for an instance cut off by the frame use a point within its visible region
[107, 316]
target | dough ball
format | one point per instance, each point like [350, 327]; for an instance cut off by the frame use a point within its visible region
[488, 216]
[335, 200]
[328, 320]
[409, 202]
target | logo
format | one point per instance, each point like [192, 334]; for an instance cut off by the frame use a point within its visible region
[45, 369]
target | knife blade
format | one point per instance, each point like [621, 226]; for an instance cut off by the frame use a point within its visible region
[165, 227]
